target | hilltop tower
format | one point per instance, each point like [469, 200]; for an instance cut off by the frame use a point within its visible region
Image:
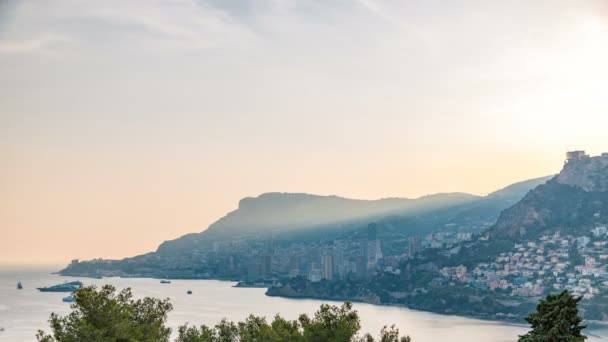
[576, 155]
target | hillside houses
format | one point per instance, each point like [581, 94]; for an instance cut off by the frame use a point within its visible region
[534, 268]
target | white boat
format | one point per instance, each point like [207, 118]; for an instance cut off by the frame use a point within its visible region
[65, 287]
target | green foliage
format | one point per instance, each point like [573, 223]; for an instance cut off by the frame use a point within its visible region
[556, 320]
[329, 324]
[386, 335]
[106, 316]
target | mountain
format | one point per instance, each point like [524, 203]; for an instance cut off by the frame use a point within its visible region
[553, 239]
[515, 192]
[285, 214]
[280, 212]
[570, 203]
[296, 214]
[300, 226]
[490, 206]
[577, 197]
[475, 215]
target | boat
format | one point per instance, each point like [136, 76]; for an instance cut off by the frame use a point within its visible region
[189, 292]
[19, 286]
[68, 299]
[164, 281]
[65, 287]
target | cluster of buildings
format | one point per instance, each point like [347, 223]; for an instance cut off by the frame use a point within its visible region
[340, 258]
[447, 240]
[551, 263]
[533, 268]
[267, 260]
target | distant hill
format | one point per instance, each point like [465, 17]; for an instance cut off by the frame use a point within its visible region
[306, 216]
[478, 214]
[489, 207]
[283, 214]
[303, 218]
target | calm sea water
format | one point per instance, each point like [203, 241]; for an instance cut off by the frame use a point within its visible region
[23, 312]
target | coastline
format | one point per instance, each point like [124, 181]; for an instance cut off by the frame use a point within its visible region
[373, 300]
[511, 321]
[209, 304]
[272, 291]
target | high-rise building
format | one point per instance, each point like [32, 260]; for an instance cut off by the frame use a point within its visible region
[266, 265]
[294, 263]
[328, 267]
[269, 246]
[374, 248]
[361, 266]
[414, 246]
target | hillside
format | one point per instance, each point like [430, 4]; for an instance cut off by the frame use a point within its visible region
[235, 245]
[476, 215]
[554, 239]
[576, 197]
[298, 215]
[285, 214]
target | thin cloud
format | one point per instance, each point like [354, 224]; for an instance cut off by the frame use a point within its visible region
[43, 44]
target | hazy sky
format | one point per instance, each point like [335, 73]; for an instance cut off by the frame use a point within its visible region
[126, 123]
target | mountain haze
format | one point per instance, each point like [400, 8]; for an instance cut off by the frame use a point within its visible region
[481, 213]
[273, 214]
[299, 215]
[305, 218]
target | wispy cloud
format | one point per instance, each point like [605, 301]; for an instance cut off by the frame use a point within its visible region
[42, 44]
[380, 11]
[161, 25]
[183, 95]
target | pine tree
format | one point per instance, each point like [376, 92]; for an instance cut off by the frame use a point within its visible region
[556, 320]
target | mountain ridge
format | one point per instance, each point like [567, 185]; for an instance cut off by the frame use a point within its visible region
[286, 213]
[252, 216]
[577, 196]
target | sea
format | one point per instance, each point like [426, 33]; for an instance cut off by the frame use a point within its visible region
[23, 312]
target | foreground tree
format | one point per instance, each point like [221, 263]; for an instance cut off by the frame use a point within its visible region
[106, 316]
[386, 335]
[329, 324]
[556, 320]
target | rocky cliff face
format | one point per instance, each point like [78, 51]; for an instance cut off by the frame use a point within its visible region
[589, 174]
[576, 197]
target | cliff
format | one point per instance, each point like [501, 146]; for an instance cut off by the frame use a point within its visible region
[576, 197]
[587, 173]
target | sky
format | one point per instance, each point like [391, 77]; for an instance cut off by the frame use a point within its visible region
[124, 123]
